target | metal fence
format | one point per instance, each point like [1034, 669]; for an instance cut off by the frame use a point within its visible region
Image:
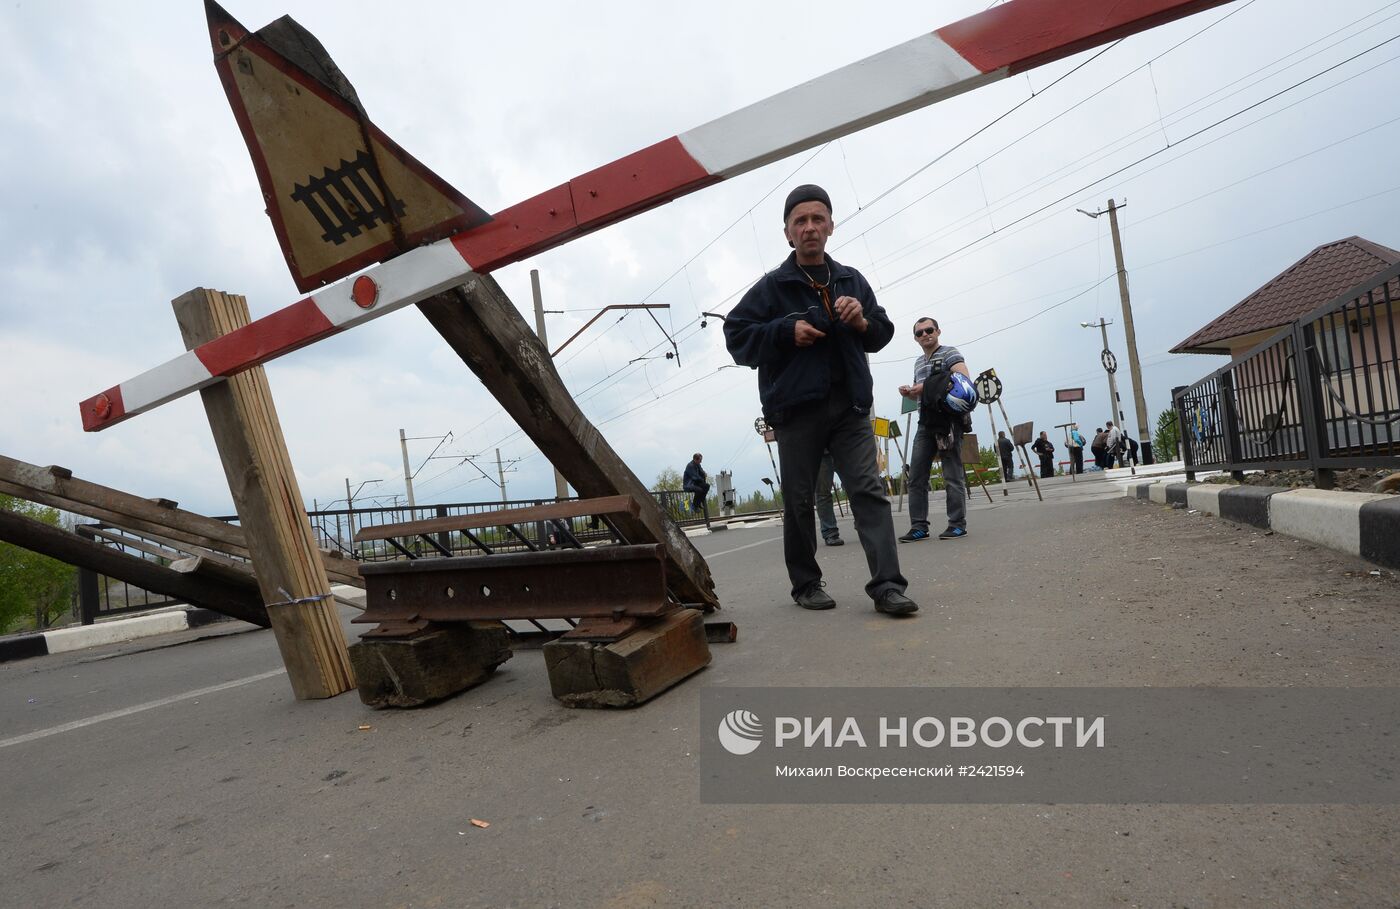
[100, 596]
[335, 529]
[1319, 394]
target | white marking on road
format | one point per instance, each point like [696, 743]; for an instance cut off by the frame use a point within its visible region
[738, 548]
[139, 708]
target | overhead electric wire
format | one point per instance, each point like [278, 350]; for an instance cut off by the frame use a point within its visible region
[1112, 147]
[896, 282]
[1002, 230]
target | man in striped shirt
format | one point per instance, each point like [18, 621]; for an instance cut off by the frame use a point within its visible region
[936, 358]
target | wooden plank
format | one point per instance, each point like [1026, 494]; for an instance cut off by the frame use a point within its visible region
[631, 670]
[290, 573]
[526, 514]
[238, 600]
[58, 488]
[433, 664]
[485, 329]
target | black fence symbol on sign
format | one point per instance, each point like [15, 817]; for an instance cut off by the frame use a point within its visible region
[345, 202]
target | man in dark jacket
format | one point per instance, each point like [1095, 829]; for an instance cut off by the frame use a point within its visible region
[1006, 450]
[696, 483]
[807, 327]
[1046, 449]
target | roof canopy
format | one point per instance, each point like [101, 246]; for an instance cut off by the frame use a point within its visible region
[1320, 276]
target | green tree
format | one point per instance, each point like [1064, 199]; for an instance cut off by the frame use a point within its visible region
[34, 589]
[990, 462]
[1168, 434]
[667, 481]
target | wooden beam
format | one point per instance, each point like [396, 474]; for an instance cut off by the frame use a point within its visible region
[527, 514]
[56, 487]
[485, 329]
[290, 574]
[238, 600]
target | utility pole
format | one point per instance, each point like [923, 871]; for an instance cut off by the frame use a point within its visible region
[561, 488]
[1109, 367]
[1134, 364]
[407, 471]
[501, 472]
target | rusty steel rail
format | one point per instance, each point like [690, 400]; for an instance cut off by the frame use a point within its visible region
[609, 582]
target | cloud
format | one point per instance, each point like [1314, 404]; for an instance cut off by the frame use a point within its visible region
[131, 184]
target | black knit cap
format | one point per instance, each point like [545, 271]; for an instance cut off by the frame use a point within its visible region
[807, 192]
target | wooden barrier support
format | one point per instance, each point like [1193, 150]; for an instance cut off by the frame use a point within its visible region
[632, 669]
[290, 575]
[485, 329]
[156, 519]
[232, 596]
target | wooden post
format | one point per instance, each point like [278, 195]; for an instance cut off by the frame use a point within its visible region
[290, 575]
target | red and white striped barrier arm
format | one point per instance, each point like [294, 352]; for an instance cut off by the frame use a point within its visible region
[1000, 42]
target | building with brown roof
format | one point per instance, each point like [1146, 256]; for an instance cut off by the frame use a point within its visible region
[1314, 280]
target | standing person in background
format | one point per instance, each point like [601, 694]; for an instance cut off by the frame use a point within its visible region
[1006, 450]
[1076, 448]
[936, 360]
[808, 327]
[1099, 447]
[1130, 449]
[695, 482]
[1113, 444]
[826, 511]
[1046, 449]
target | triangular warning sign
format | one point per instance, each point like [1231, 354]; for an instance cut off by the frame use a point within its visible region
[340, 193]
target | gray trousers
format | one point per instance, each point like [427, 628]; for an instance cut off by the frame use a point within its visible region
[834, 425]
[826, 512]
[954, 480]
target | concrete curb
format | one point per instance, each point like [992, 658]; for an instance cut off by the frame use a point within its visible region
[81, 637]
[1358, 523]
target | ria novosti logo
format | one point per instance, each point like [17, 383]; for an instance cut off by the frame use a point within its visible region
[740, 732]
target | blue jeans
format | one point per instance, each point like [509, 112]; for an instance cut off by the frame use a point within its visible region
[954, 480]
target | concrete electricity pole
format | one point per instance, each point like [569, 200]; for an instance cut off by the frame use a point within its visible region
[1109, 367]
[501, 472]
[561, 489]
[407, 471]
[1144, 435]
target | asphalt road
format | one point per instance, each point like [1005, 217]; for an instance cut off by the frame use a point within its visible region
[181, 772]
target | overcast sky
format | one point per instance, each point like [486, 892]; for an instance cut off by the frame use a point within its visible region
[127, 183]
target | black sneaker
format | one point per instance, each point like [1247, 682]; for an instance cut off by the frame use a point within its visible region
[835, 541]
[914, 535]
[814, 597]
[953, 533]
[892, 602]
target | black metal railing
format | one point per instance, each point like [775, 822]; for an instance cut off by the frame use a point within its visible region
[1319, 394]
[102, 597]
[679, 507]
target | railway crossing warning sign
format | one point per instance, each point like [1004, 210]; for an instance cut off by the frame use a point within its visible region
[340, 193]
